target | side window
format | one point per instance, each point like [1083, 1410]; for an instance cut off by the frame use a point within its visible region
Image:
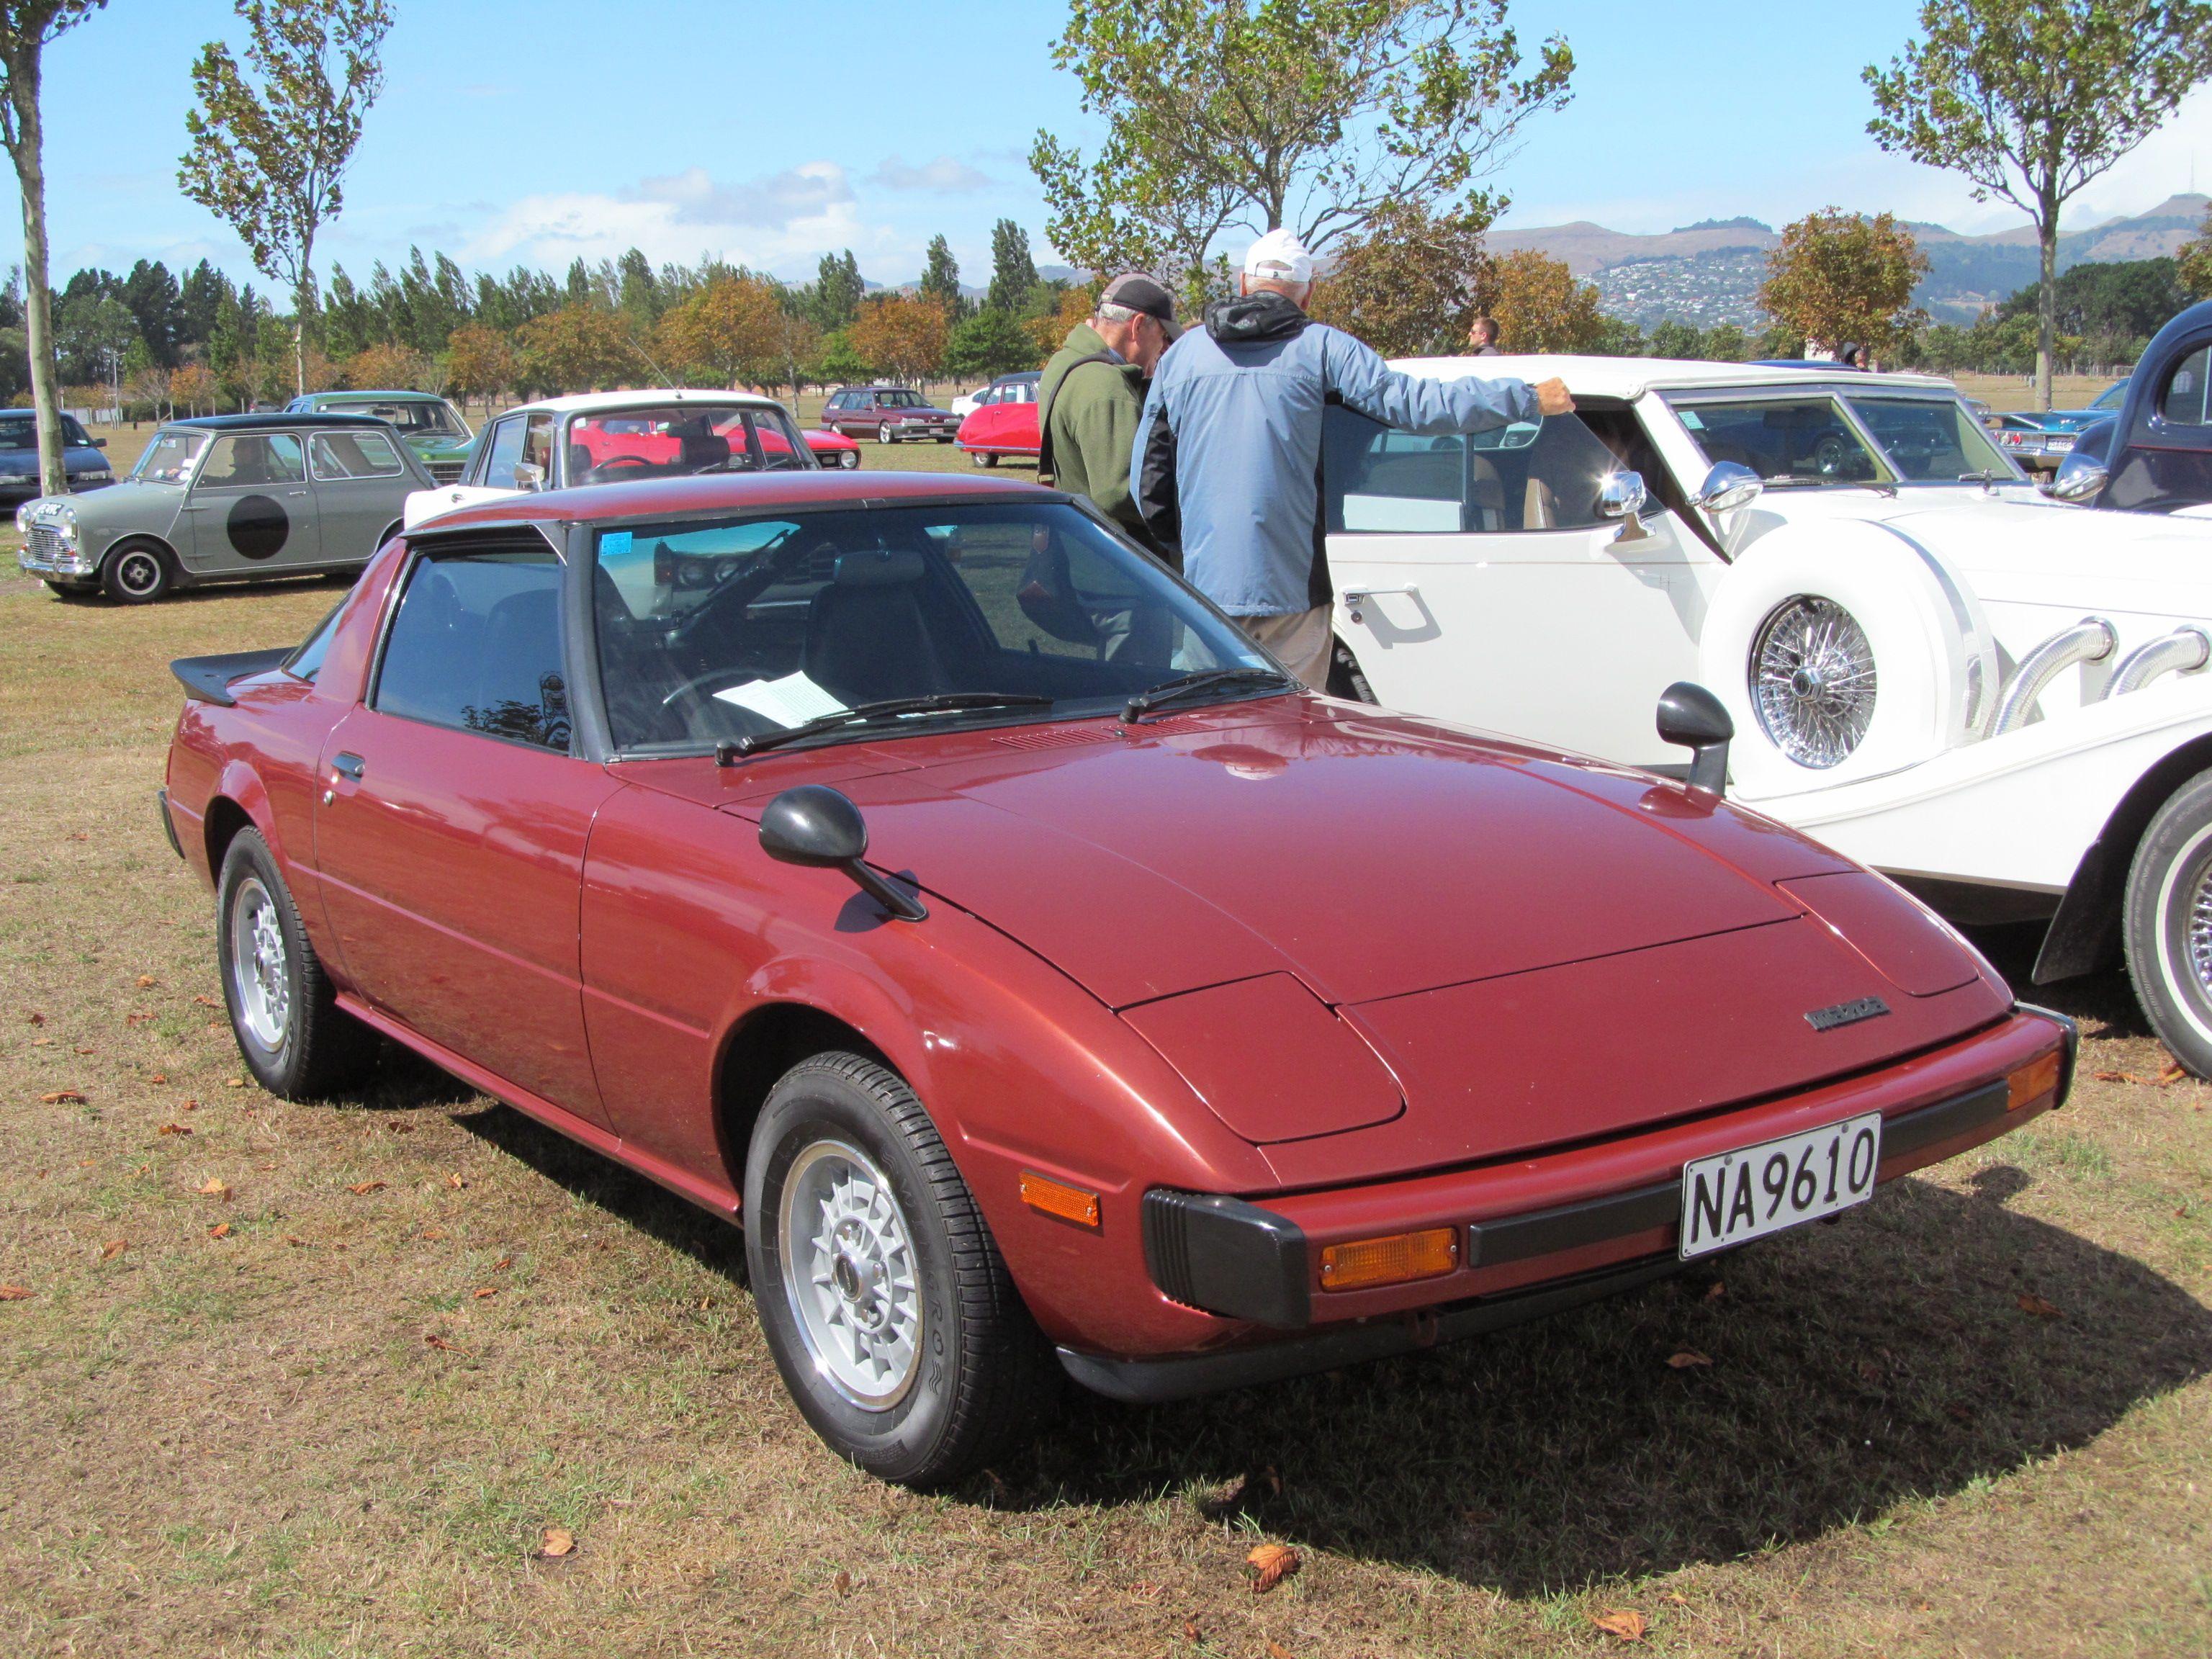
[339, 456]
[537, 448]
[502, 449]
[836, 401]
[1543, 476]
[475, 645]
[306, 660]
[252, 460]
[2183, 401]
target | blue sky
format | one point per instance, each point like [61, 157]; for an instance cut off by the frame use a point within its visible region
[767, 134]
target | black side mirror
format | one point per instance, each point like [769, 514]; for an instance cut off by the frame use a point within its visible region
[1692, 716]
[815, 824]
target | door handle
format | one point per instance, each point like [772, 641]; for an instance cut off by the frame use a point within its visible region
[1356, 597]
[349, 766]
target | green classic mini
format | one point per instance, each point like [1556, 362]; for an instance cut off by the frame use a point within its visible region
[433, 428]
[227, 498]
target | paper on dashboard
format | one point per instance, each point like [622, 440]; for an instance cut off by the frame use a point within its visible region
[791, 701]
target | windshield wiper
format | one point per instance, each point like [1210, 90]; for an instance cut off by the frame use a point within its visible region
[1209, 679]
[728, 754]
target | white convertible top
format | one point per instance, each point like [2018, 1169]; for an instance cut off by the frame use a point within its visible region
[1632, 377]
[600, 403]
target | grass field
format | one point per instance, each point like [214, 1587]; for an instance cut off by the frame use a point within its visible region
[314, 1380]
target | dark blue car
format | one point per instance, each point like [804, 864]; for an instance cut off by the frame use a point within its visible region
[19, 456]
[2154, 453]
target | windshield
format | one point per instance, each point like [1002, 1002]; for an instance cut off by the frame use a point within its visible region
[1928, 440]
[2109, 398]
[427, 419]
[714, 633]
[676, 441]
[169, 457]
[21, 432]
[1795, 440]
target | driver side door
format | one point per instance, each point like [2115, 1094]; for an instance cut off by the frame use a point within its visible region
[1477, 581]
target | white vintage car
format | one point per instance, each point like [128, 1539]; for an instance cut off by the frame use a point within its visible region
[1999, 699]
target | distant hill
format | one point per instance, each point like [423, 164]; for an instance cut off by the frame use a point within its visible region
[1710, 272]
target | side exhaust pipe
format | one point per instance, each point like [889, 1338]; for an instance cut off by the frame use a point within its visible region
[2178, 652]
[2091, 640]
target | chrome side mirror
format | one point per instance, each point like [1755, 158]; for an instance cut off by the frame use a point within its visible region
[1621, 496]
[1730, 485]
[2079, 478]
[528, 475]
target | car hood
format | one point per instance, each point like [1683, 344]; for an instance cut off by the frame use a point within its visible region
[1475, 947]
[2042, 552]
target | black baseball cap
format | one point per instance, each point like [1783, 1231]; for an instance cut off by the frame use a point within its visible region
[1137, 292]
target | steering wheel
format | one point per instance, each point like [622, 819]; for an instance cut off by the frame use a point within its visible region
[613, 462]
[740, 588]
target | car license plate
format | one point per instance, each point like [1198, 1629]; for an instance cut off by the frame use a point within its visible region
[1756, 1190]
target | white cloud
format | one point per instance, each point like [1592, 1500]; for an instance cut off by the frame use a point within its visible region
[942, 177]
[808, 191]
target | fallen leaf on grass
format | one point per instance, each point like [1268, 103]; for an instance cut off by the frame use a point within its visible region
[16, 1294]
[363, 1188]
[63, 1098]
[213, 1188]
[294, 1240]
[1622, 1622]
[434, 1234]
[1190, 1630]
[487, 1290]
[172, 1130]
[842, 1583]
[503, 1264]
[1276, 1562]
[190, 1106]
[88, 1051]
[146, 981]
[457, 1180]
[114, 1247]
[234, 1083]
[2032, 1303]
[2174, 1073]
[2116, 1077]
[221, 1230]
[444, 1346]
[1715, 1291]
[207, 1002]
[137, 1019]
[559, 1541]
[35, 1018]
[1676, 1597]
[1277, 1650]
[1687, 1358]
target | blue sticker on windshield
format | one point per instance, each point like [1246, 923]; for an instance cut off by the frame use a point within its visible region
[614, 543]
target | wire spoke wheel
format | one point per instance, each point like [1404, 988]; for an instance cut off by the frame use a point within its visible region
[1812, 681]
[849, 1272]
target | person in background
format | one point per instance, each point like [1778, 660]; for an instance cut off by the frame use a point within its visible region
[1482, 337]
[1092, 393]
[1227, 460]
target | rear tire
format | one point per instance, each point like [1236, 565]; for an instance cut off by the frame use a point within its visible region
[983, 458]
[883, 1297]
[136, 572]
[296, 1041]
[2167, 924]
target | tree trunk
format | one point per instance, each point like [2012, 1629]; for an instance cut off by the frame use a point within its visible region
[38, 298]
[2047, 301]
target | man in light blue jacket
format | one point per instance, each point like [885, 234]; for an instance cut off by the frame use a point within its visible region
[1227, 459]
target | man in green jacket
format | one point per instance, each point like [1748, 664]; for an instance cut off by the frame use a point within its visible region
[1093, 392]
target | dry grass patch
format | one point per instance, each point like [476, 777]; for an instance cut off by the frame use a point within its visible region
[316, 1433]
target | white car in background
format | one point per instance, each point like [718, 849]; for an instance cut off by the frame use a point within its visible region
[1998, 699]
[1020, 387]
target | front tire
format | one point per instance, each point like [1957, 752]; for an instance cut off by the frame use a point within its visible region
[883, 435]
[136, 572]
[883, 1297]
[296, 1041]
[2167, 924]
[983, 458]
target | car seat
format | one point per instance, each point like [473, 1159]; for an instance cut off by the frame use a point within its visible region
[1486, 495]
[701, 450]
[867, 632]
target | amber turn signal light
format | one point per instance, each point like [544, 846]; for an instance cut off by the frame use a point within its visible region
[1395, 1260]
[1058, 1198]
[2038, 1078]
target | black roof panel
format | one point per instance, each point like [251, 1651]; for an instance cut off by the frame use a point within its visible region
[246, 422]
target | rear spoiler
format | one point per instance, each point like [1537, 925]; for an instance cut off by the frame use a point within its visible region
[207, 679]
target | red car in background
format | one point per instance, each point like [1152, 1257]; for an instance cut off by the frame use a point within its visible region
[1000, 431]
[913, 873]
[832, 449]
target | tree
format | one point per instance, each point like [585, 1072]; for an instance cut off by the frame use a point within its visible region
[940, 279]
[2032, 99]
[1408, 284]
[840, 363]
[1262, 112]
[191, 388]
[479, 363]
[1013, 269]
[1049, 331]
[990, 343]
[390, 367]
[2193, 262]
[1840, 278]
[28, 28]
[731, 332]
[837, 291]
[1542, 306]
[579, 348]
[903, 337]
[270, 159]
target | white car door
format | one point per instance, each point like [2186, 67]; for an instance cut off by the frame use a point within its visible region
[1477, 580]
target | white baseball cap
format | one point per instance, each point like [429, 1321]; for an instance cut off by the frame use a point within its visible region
[1278, 257]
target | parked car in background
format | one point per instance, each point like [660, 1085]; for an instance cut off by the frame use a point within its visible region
[2030, 440]
[913, 871]
[2153, 451]
[433, 428]
[621, 437]
[224, 498]
[832, 448]
[2000, 701]
[889, 414]
[1004, 430]
[86, 467]
[1021, 386]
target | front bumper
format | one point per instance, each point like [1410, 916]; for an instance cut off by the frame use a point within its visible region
[1521, 1260]
[46, 553]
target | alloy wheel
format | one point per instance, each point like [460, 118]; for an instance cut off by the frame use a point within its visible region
[850, 1275]
[260, 979]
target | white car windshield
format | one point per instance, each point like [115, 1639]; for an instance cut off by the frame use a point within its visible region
[676, 441]
[169, 457]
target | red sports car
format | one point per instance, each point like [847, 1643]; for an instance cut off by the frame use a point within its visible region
[912, 873]
[997, 430]
[832, 449]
